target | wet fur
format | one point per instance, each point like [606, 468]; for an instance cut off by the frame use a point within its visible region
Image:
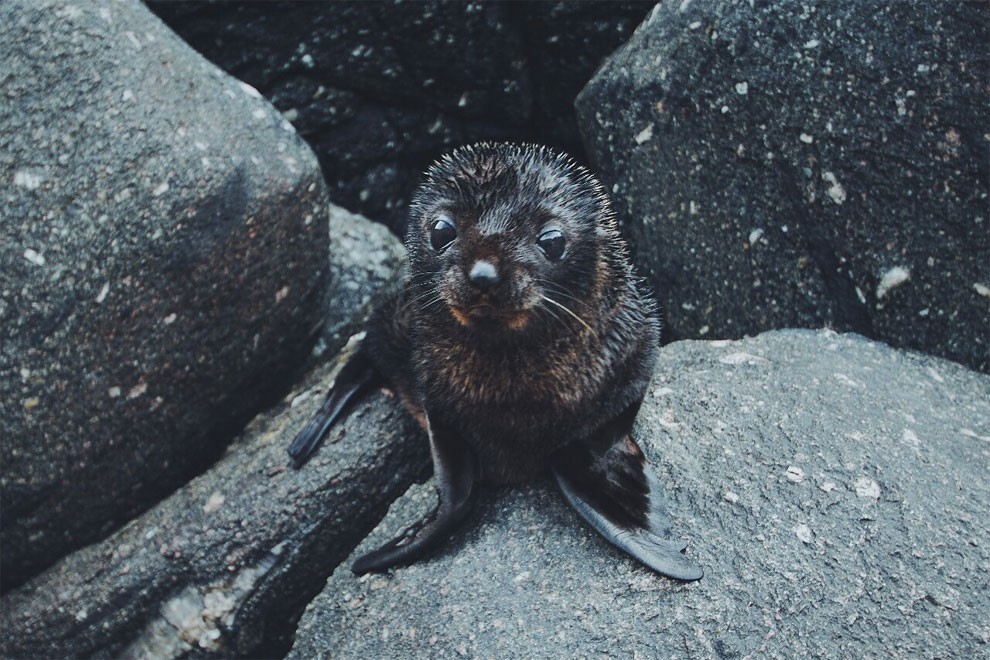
[517, 396]
[537, 361]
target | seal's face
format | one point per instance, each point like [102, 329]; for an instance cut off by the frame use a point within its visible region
[507, 238]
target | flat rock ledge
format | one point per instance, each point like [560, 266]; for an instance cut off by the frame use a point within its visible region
[833, 488]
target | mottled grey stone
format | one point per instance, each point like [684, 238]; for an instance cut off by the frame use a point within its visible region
[364, 262]
[225, 565]
[795, 164]
[381, 89]
[162, 264]
[834, 490]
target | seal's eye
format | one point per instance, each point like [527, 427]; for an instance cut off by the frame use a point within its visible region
[442, 234]
[552, 243]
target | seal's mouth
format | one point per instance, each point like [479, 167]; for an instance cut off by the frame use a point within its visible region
[484, 315]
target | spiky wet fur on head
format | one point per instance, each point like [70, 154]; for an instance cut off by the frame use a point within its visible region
[500, 197]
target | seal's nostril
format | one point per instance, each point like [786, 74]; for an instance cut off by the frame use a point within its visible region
[483, 275]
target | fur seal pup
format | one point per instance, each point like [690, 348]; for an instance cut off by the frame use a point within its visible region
[520, 340]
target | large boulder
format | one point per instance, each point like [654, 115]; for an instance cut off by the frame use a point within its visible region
[833, 489]
[163, 264]
[786, 163]
[380, 89]
[225, 565]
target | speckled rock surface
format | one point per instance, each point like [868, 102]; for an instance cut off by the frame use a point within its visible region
[225, 565]
[162, 262]
[834, 490]
[781, 164]
[364, 262]
[380, 89]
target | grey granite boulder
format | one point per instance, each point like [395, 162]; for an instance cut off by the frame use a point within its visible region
[786, 163]
[834, 490]
[226, 564]
[162, 266]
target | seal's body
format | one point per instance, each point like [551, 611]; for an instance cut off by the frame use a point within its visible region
[521, 341]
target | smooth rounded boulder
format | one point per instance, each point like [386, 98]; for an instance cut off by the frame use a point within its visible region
[163, 263]
[794, 164]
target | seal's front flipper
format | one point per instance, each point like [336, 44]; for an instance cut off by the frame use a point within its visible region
[357, 375]
[606, 479]
[454, 468]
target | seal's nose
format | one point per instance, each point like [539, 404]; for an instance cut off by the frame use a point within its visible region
[483, 275]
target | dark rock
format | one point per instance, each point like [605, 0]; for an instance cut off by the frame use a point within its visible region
[380, 89]
[365, 260]
[791, 164]
[834, 490]
[225, 565]
[163, 268]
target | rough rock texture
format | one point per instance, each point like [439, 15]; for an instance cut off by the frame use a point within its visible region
[834, 490]
[365, 260]
[162, 258]
[781, 164]
[225, 564]
[380, 89]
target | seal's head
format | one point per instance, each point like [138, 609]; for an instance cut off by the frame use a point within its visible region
[511, 237]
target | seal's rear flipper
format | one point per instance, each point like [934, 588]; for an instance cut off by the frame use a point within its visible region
[454, 468]
[357, 375]
[607, 481]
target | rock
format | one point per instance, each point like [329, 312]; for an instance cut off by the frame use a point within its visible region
[365, 260]
[225, 565]
[844, 186]
[833, 488]
[162, 272]
[381, 89]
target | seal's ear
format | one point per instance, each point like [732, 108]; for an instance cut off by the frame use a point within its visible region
[608, 482]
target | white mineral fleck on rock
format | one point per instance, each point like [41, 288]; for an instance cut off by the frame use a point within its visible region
[34, 257]
[730, 497]
[137, 390]
[102, 295]
[742, 88]
[982, 289]
[755, 235]
[866, 487]
[807, 139]
[170, 319]
[893, 278]
[26, 179]
[114, 392]
[846, 380]
[160, 189]
[644, 135]
[128, 95]
[795, 474]
[804, 533]
[259, 113]
[249, 90]
[811, 43]
[741, 358]
[828, 487]
[214, 502]
[835, 190]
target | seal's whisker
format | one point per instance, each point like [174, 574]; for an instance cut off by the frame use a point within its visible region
[566, 309]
